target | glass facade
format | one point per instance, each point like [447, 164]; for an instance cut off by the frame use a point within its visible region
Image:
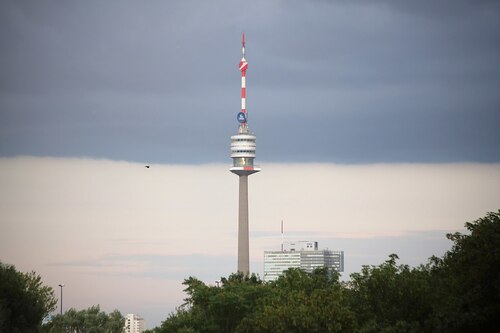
[242, 161]
[276, 262]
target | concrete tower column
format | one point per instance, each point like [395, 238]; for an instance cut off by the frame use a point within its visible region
[243, 236]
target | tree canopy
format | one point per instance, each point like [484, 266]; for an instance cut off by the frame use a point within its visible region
[24, 300]
[459, 292]
[466, 281]
[91, 320]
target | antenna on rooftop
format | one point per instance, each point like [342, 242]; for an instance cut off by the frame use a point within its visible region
[282, 237]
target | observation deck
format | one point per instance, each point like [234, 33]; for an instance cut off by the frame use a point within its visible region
[243, 151]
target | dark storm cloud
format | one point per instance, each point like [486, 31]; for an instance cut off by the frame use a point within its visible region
[54, 46]
[337, 81]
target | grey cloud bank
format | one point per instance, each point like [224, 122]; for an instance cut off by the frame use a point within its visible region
[345, 82]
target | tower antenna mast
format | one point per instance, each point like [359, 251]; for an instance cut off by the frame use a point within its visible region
[243, 69]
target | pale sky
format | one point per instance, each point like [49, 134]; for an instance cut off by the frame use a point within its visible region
[376, 124]
[123, 236]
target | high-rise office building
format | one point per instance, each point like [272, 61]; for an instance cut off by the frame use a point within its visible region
[134, 324]
[304, 255]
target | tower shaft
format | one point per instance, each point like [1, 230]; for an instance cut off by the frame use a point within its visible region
[243, 234]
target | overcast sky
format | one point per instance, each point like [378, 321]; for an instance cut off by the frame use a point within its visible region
[377, 127]
[328, 81]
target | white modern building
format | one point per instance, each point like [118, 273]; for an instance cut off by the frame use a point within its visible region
[304, 255]
[134, 324]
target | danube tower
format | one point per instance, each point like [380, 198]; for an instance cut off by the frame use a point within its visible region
[243, 153]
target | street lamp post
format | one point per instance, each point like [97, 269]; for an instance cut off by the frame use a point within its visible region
[61, 285]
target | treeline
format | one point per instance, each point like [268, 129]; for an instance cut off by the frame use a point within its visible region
[459, 292]
[25, 302]
[91, 320]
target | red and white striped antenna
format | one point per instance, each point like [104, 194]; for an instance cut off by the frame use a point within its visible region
[243, 68]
